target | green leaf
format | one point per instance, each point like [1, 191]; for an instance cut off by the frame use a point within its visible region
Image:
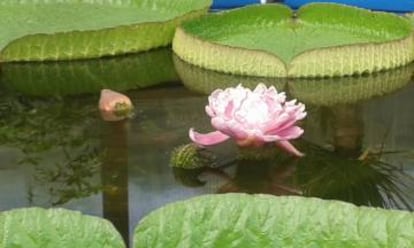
[241, 220]
[90, 76]
[318, 40]
[71, 29]
[41, 228]
[410, 17]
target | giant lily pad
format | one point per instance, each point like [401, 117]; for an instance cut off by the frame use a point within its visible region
[41, 228]
[240, 220]
[317, 40]
[70, 29]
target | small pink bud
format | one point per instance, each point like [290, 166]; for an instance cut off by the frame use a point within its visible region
[114, 106]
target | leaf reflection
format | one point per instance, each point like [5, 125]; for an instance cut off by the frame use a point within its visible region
[71, 179]
[58, 142]
[316, 91]
[321, 173]
[368, 181]
[90, 76]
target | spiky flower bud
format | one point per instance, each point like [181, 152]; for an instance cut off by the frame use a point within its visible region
[191, 156]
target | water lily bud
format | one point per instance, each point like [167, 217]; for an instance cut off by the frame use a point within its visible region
[114, 106]
[191, 156]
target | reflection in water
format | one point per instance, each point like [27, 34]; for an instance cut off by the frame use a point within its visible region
[321, 173]
[205, 81]
[191, 177]
[319, 91]
[50, 133]
[62, 153]
[90, 76]
[347, 90]
[358, 170]
[364, 180]
[262, 177]
[343, 126]
[114, 176]
[72, 178]
[60, 145]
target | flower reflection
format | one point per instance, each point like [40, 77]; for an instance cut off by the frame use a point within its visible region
[266, 178]
[364, 180]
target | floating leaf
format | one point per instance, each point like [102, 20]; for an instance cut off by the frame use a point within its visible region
[241, 220]
[41, 228]
[72, 29]
[318, 40]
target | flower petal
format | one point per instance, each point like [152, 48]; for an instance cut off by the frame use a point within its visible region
[207, 139]
[260, 89]
[230, 128]
[289, 133]
[286, 134]
[287, 146]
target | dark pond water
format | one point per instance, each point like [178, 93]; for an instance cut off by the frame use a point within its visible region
[55, 151]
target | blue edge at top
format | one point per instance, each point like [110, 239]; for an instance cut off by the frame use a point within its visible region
[399, 6]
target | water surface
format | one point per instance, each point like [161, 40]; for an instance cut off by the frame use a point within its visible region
[55, 151]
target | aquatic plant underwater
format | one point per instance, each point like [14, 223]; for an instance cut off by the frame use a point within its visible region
[39, 128]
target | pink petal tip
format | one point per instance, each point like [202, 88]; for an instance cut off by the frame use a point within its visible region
[287, 146]
[207, 139]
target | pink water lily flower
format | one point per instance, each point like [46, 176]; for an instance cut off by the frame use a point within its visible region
[252, 118]
[114, 106]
